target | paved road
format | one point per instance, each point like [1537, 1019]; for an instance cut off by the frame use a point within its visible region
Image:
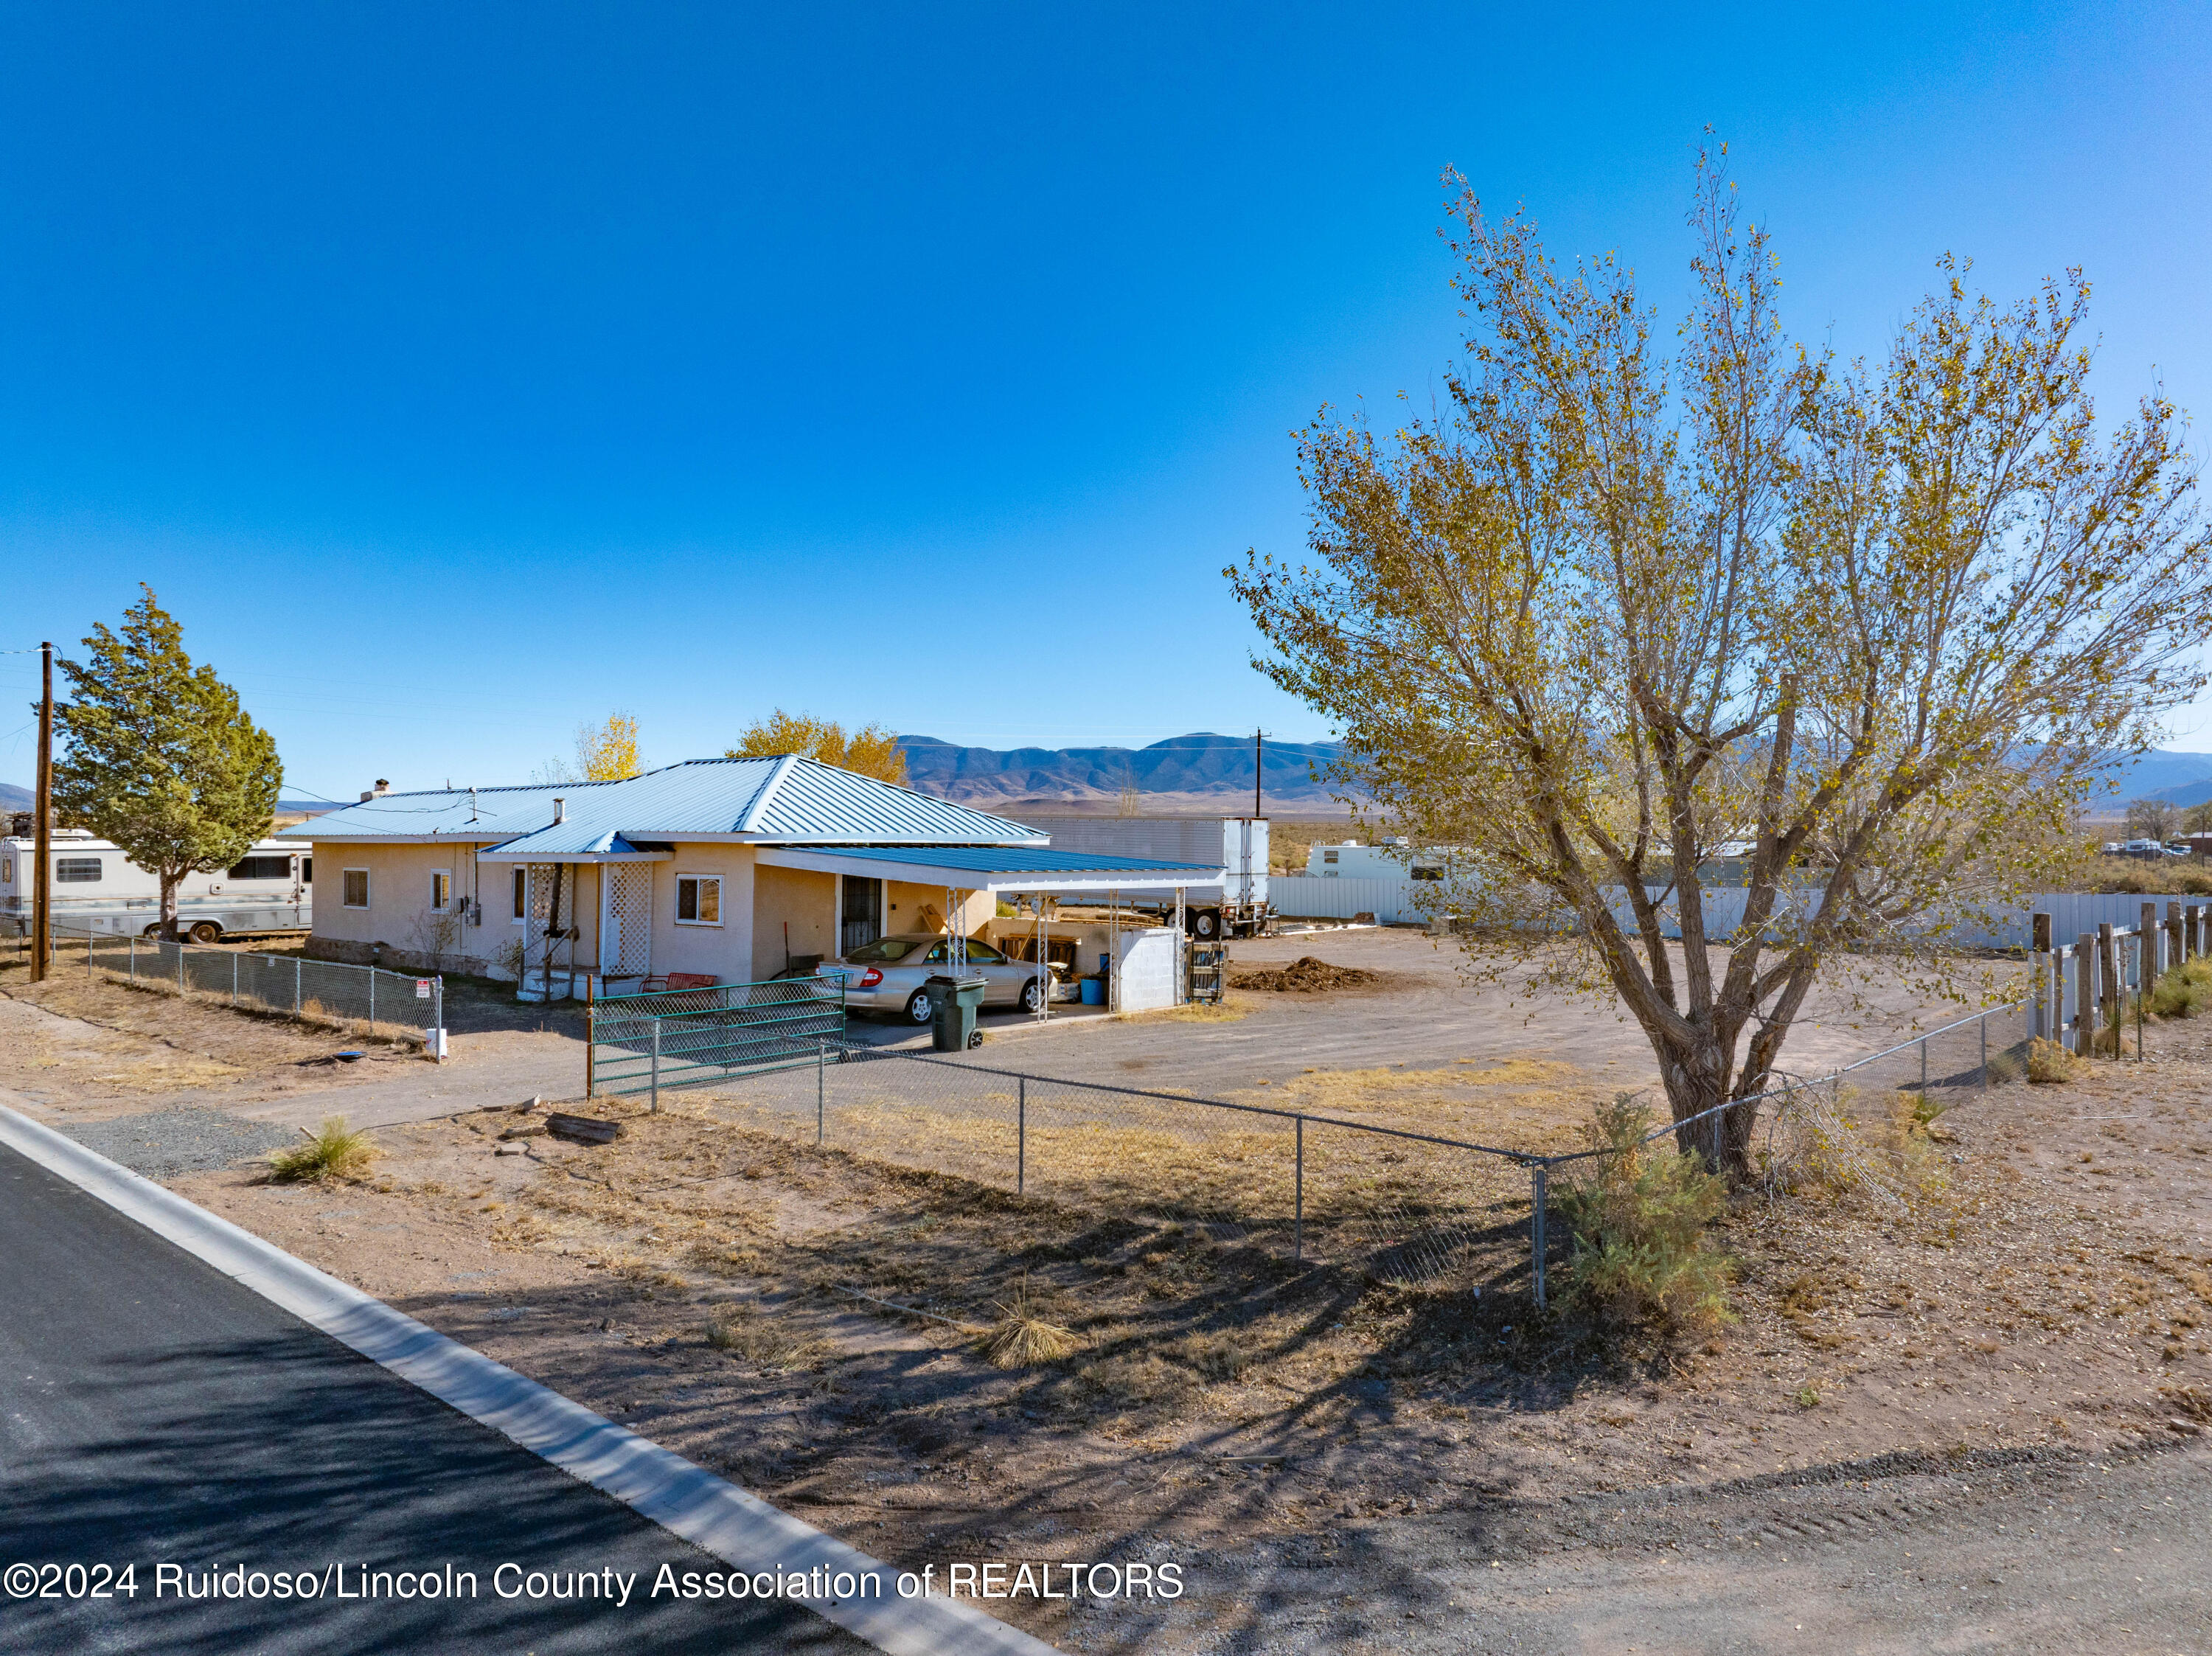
[152, 1411]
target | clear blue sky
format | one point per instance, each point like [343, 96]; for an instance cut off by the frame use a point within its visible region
[459, 372]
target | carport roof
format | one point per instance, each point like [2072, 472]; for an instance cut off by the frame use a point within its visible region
[993, 868]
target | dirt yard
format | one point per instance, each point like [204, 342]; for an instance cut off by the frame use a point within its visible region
[807, 1320]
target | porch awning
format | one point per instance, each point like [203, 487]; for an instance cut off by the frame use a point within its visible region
[996, 868]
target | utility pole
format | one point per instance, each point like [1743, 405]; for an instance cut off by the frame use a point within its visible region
[1259, 760]
[42, 831]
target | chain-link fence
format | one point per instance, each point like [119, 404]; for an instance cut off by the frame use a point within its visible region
[696, 1037]
[367, 997]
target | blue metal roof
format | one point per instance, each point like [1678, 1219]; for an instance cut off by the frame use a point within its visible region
[776, 801]
[1019, 859]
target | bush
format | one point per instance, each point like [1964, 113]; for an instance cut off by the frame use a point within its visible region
[1020, 1338]
[2152, 876]
[1639, 1216]
[2048, 1063]
[332, 1153]
[2183, 992]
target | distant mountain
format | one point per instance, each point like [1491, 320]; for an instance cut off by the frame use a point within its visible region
[12, 798]
[2184, 778]
[15, 798]
[1201, 772]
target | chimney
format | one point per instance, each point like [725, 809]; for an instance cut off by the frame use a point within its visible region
[560, 809]
[381, 788]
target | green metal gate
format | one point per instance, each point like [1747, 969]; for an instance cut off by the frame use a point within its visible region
[694, 1037]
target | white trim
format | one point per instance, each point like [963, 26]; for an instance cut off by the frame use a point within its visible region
[368, 889]
[658, 1484]
[718, 921]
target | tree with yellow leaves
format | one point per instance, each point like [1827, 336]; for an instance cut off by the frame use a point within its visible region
[871, 750]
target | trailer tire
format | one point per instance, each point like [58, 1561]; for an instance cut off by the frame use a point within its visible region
[204, 931]
[1206, 924]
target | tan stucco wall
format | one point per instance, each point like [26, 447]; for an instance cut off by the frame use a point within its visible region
[903, 903]
[726, 950]
[800, 898]
[398, 915]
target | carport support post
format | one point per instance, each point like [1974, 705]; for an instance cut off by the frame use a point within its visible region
[1538, 1176]
[1021, 1135]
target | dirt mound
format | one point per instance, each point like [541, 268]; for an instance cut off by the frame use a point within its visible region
[1306, 975]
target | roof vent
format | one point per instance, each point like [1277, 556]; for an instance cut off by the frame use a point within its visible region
[560, 809]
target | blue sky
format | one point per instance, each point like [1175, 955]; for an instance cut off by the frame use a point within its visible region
[460, 372]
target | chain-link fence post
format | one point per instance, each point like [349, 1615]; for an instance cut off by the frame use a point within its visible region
[1298, 1208]
[233, 978]
[438, 1015]
[1985, 1027]
[1022, 1135]
[1923, 1066]
[1538, 1179]
[134, 962]
[372, 1000]
[656, 1063]
[298, 972]
[821, 1122]
[180, 946]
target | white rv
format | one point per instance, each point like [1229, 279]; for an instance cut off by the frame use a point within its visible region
[97, 888]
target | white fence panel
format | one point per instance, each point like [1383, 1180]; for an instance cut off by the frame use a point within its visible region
[1316, 897]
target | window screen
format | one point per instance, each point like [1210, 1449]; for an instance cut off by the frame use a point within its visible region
[76, 871]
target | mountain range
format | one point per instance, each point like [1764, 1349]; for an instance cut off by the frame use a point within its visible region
[1206, 772]
[1202, 771]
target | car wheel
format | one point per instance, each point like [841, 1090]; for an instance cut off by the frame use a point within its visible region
[1032, 996]
[975, 1038]
[918, 1008]
[206, 932]
[1206, 924]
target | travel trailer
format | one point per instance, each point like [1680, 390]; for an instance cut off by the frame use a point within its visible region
[97, 888]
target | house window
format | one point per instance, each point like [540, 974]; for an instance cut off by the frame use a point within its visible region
[356, 888]
[76, 871]
[698, 899]
[521, 895]
[441, 891]
[262, 868]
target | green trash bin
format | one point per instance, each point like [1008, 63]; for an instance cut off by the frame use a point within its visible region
[952, 1003]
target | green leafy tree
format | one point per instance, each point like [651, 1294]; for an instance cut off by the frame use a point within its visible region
[872, 750]
[1870, 630]
[160, 757]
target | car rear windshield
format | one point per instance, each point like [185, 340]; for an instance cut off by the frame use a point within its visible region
[886, 949]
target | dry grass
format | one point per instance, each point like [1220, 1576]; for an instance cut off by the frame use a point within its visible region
[334, 1152]
[744, 1330]
[1022, 1339]
[2049, 1064]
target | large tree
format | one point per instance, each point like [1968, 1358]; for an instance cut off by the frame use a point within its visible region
[159, 756]
[873, 749]
[1872, 629]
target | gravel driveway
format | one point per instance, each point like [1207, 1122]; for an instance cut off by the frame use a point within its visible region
[166, 1142]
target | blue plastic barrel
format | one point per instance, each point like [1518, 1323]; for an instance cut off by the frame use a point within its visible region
[1094, 992]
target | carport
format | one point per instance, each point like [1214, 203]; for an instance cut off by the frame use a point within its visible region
[1004, 872]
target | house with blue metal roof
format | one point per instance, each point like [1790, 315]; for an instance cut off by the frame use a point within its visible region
[734, 870]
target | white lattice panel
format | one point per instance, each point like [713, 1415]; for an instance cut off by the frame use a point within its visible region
[626, 920]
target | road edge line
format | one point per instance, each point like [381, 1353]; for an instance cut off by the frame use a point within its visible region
[658, 1485]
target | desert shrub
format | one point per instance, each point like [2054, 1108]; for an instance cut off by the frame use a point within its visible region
[334, 1152]
[2183, 992]
[2160, 876]
[1020, 1338]
[2049, 1064]
[1640, 1215]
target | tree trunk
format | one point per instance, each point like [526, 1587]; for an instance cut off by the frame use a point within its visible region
[1696, 1081]
[169, 884]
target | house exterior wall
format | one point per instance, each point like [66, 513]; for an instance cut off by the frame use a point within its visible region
[726, 951]
[413, 937]
[903, 903]
[801, 898]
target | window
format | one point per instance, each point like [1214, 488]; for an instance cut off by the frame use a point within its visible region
[1328, 855]
[7, 870]
[981, 954]
[883, 951]
[1421, 873]
[306, 870]
[76, 871]
[521, 895]
[698, 899]
[356, 888]
[262, 868]
[441, 891]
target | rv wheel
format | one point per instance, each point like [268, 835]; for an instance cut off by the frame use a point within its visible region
[205, 931]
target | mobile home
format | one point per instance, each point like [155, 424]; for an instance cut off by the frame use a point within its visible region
[97, 888]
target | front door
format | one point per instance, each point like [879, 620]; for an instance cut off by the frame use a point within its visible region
[861, 912]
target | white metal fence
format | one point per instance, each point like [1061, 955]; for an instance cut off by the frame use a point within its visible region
[1400, 902]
